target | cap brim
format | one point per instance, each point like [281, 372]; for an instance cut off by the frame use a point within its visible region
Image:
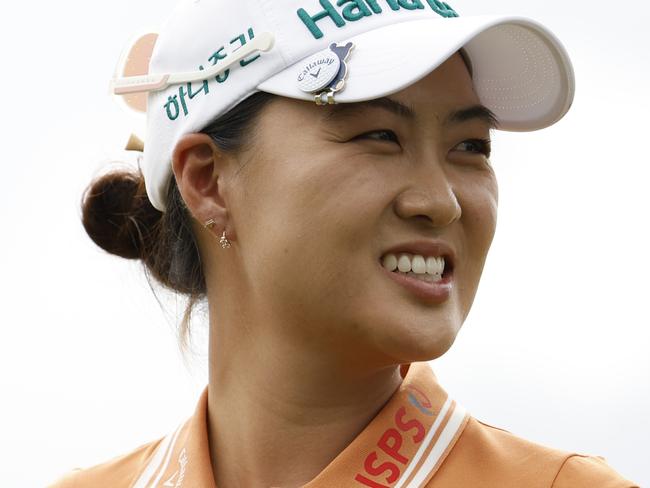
[521, 71]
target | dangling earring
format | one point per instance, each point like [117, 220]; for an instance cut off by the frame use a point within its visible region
[225, 243]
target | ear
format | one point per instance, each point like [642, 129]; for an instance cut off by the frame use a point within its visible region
[135, 63]
[198, 165]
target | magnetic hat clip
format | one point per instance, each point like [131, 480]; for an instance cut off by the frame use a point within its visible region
[324, 74]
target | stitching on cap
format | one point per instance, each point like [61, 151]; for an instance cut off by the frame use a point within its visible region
[517, 34]
[508, 30]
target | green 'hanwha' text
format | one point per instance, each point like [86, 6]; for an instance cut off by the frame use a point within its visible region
[354, 10]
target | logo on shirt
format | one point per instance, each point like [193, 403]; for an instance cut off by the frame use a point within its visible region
[174, 482]
[420, 400]
[388, 460]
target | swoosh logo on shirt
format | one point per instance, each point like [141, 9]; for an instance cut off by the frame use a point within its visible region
[170, 481]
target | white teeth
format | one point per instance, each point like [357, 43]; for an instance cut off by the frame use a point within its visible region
[425, 277]
[418, 265]
[390, 262]
[404, 263]
[435, 265]
[415, 264]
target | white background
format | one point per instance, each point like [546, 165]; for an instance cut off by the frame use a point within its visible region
[555, 349]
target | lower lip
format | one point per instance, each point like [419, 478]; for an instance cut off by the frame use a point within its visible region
[436, 292]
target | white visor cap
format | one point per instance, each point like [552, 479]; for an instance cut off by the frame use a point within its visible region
[521, 71]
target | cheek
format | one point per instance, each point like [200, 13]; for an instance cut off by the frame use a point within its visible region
[479, 218]
[306, 223]
[320, 198]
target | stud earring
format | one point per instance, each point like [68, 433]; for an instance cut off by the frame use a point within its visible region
[225, 243]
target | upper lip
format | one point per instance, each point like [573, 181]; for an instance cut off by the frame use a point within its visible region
[425, 248]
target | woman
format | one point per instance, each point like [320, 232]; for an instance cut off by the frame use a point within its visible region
[339, 155]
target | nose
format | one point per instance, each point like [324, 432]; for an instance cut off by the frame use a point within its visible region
[430, 196]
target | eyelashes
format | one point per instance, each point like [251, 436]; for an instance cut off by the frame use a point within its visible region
[477, 146]
[387, 135]
[484, 146]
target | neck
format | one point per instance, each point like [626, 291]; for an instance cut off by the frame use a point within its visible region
[278, 415]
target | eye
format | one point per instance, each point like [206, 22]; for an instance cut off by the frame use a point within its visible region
[477, 146]
[383, 135]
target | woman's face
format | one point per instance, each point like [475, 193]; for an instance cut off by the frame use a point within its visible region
[327, 190]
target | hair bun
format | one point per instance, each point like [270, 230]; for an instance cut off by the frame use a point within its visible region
[118, 215]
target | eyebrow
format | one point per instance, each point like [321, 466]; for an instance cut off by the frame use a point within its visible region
[475, 112]
[342, 111]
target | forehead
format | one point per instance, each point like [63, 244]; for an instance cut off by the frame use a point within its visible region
[450, 82]
[446, 93]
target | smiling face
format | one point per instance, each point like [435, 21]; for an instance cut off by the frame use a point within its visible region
[326, 191]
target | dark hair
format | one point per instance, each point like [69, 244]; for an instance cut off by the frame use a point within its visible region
[119, 218]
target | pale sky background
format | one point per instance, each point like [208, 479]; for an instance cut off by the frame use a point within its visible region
[555, 349]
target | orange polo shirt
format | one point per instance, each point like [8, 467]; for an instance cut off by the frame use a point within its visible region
[421, 438]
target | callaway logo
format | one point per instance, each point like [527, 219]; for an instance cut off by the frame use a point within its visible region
[327, 71]
[325, 60]
[359, 9]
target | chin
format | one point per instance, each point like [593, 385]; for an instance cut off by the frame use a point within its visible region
[431, 351]
[415, 345]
